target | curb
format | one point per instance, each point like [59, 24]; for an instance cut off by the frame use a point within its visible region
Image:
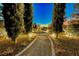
[52, 47]
[27, 47]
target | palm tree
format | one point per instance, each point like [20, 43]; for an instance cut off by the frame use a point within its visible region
[13, 19]
[58, 18]
[28, 17]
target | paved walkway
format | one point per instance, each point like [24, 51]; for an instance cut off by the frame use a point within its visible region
[41, 47]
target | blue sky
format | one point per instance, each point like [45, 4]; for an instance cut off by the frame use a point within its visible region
[69, 9]
[43, 12]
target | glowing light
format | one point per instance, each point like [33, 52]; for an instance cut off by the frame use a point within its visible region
[54, 35]
[30, 35]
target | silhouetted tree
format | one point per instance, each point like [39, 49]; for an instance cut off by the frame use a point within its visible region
[58, 18]
[13, 19]
[28, 17]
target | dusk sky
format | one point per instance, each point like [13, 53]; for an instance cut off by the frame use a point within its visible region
[43, 12]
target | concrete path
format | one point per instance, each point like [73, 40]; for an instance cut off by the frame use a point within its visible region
[42, 46]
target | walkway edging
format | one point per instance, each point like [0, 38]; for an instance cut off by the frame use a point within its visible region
[52, 47]
[27, 47]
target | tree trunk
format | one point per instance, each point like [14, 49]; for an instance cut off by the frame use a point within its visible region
[56, 35]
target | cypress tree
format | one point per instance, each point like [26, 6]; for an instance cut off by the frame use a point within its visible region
[13, 19]
[28, 17]
[58, 18]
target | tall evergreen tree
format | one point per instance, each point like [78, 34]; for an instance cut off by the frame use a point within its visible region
[28, 17]
[13, 19]
[58, 18]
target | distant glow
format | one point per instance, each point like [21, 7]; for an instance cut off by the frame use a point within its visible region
[43, 25]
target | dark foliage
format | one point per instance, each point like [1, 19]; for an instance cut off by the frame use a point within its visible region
[28, 17]
[58, 18]
[13, 19]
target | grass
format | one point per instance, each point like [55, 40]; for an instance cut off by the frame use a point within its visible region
[10, 48]
[65, 46]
